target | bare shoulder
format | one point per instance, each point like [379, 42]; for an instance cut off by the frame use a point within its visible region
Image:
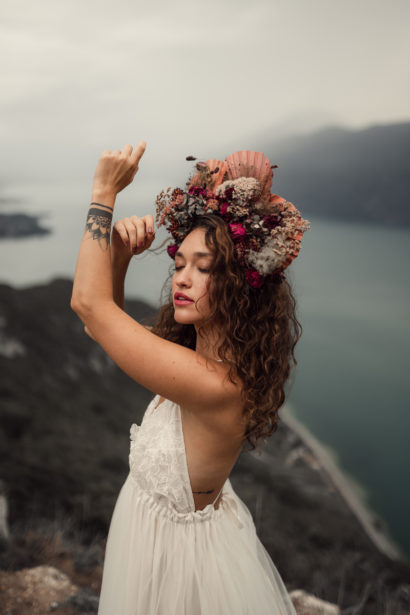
[224, 417]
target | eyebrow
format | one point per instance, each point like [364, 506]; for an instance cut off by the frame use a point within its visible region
[199, 254]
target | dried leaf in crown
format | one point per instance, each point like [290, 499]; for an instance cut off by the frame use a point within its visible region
[209, 174]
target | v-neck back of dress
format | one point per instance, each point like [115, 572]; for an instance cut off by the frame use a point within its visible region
[157, 459]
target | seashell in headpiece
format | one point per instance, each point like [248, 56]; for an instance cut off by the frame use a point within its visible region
[246, 163]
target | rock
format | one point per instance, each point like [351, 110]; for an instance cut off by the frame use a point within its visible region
[85, 601]
[53, 436]
[10, 347]
[4, 527]
[89, 558]
[36, 590]
[306, 604]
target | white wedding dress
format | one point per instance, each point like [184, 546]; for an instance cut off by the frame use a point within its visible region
[163, 557]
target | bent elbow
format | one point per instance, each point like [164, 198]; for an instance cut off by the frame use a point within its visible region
[78, 306]
[75, 305]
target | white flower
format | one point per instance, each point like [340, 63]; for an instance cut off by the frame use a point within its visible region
[245, 189]
[272, 255]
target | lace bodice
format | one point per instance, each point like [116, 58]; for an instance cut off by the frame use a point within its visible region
[158, 458]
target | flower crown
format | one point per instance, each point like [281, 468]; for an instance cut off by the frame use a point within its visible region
[265, 228]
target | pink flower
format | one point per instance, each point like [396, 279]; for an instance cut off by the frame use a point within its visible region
[172, 249]
[237, 230]
[253, 278]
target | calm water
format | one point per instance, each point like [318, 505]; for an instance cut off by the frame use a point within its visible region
[351, 386]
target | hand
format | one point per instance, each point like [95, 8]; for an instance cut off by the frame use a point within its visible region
[131, 236]
[115, 170]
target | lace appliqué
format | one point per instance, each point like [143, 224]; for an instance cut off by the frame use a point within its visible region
[157, 456]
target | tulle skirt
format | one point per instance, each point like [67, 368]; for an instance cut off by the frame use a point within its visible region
[159, 561]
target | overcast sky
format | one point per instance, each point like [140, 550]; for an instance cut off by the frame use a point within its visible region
[190, 77]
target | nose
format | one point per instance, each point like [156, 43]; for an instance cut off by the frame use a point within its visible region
[183, 277]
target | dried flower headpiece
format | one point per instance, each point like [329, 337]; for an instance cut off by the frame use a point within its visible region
[265, 228]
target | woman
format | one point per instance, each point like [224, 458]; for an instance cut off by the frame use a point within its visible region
[181, 541]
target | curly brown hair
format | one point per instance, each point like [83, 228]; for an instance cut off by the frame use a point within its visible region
[258, 330]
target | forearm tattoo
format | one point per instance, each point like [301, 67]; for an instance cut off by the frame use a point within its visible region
[99, 225]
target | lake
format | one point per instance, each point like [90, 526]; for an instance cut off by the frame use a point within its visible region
[352, 283]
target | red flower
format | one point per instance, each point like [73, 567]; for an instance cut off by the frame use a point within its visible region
[172, 249]
[229, 192]
[253, 278]
[197, 191]
[271, 220]
[237, 230]
[224, 212]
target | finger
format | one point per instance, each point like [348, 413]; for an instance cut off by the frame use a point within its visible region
[132, 233]
[138, 152]
[117, 152]
[122, 231]
[149, 224]
[150, 239]
[141, 230]
[134, 171]
[127, 149]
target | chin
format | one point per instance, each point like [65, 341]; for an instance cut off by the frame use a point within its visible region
[183, 319]
[186, 319]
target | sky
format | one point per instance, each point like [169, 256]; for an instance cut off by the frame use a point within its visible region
[189, 77]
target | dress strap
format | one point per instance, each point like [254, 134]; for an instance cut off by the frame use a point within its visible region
[220, 491]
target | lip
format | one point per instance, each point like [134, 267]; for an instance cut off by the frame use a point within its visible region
[184, 301]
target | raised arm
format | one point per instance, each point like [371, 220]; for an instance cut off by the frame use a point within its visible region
[168, 369]
[123, 240]
[119, 271]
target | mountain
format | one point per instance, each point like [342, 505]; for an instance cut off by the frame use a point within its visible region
[352, 175]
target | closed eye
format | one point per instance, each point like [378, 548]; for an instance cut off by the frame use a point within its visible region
[200, 269]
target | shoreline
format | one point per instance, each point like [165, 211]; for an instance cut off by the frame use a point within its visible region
[351, 491]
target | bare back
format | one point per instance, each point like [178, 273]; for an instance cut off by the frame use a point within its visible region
[212, 448]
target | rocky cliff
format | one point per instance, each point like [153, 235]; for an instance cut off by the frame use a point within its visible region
[65, 415]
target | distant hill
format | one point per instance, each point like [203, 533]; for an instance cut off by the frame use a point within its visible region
[358, 175]
[20, 225]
